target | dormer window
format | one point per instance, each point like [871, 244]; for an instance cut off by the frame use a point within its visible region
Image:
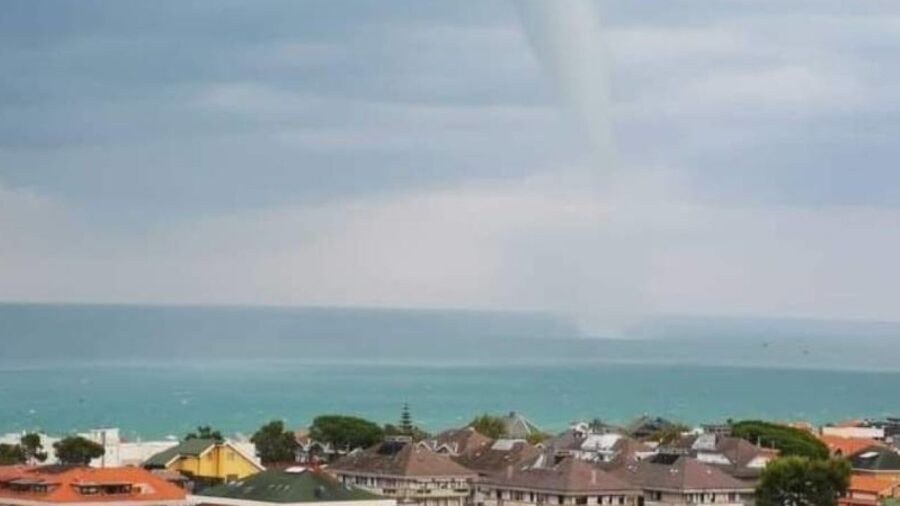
[104, 488]
[88, 490]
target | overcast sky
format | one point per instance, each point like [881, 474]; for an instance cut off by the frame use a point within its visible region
[417, 154]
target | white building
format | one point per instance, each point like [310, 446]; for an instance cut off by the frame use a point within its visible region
[863, 432]
[117, 453]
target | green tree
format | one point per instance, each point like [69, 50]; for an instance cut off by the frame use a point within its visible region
[406, 423]
[32, 448]
[274, 443]
[77, 450]
[788, 440]
[345, 432]
[417, 433]
[799, 481]
[537, 437]
[11, 454]
[489, 425]
[205, 432]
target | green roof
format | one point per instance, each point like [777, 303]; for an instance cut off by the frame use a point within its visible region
[288, 487]
[189, 447]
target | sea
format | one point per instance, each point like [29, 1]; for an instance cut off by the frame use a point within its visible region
[159, 371]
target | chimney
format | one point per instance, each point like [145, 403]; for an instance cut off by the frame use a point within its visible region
[593, 476]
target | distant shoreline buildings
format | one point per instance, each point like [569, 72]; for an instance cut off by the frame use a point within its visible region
[650, 462]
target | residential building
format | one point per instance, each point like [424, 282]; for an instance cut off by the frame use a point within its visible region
[544, 481]
[497, 457]
[856, 429]
[85, 486]
[410, 473]
[585, 443]
[118, 452]
[876, 461]
[840, 446]
[669, 480]
[310, 450]
[206, 461]
[719, 429]
[455, 442]
[516, 426]
[865, 490]
[291, 486]
[736, 456]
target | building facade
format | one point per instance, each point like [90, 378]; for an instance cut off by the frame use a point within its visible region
[409, 473]
[675, 480]
[207, 461]
[546, 482]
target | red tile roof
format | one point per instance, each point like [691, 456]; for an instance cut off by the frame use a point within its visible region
[871, 484]
[75, 484]
[847, 446]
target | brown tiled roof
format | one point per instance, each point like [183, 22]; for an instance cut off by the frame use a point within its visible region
[461, 441]
[400, 459]
[678, 473]
[739, 452]
[570, 476]
[628, 454]
[565, 441]
[490, 459]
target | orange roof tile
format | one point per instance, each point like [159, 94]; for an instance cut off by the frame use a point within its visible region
[847, 446]
[68, 484]
[870, 484]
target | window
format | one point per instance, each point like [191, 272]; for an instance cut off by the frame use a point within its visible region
[117, 489]
[89, 490]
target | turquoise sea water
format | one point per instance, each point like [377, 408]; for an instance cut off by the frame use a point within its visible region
[157, 400]
[155, 371]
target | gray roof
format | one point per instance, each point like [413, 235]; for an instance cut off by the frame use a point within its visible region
[516, 426]
[189, 447]
[876, 458]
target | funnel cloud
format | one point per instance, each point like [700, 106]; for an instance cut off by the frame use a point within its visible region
[567, 38]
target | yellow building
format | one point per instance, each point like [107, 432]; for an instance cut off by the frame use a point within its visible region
[206, 459]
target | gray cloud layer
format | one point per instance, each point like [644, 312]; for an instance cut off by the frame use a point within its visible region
[414, 154]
